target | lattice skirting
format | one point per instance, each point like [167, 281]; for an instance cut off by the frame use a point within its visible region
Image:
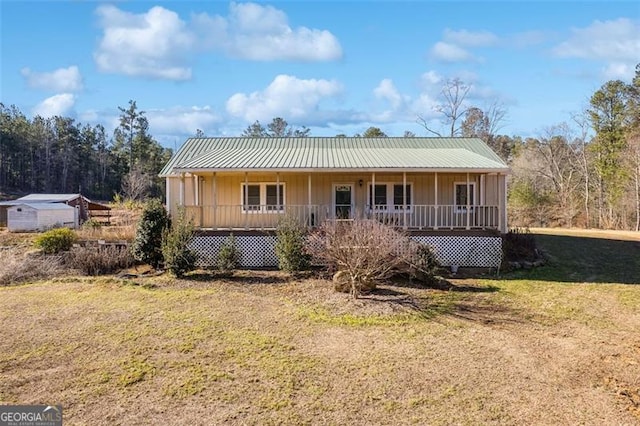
[258, 251]
[465, 251]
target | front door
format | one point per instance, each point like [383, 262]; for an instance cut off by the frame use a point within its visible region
[343, 201]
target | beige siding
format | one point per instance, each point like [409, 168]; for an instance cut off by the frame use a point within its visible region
[227, 191]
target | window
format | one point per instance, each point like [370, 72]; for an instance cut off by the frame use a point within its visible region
[390, 196]
[380, 197]
[398, 196]
[261, 197]
[461, 196]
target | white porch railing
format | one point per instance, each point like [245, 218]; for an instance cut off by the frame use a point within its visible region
[264, 217]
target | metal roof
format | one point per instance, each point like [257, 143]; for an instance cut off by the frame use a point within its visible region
[45, 206]
[291, 154]
[49, 198]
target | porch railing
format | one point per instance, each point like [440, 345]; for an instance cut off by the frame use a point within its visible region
[263, 217]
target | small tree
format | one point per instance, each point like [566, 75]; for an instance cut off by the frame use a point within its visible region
[228, 256]
[178, 257]
[365, 252]
[147, 245]
[290, 251]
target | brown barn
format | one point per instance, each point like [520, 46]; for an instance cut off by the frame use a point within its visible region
[86, 208]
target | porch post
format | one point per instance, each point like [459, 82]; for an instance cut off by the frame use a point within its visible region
[309, 214]
[404, 198]
[246, 198]
[373, 192]
[499, 198]
[435, 216]
[168, 194]
[182, 189]
[278, 192]
[196, 190]
[483, 213]
[215, 201]
[504, 194]
[468, 202]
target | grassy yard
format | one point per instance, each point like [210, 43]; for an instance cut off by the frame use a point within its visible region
[555, 345]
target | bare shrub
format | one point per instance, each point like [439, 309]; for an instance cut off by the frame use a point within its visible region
[99, 260]
[364, 252]
[17, 267]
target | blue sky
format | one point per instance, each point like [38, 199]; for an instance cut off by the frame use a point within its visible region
[336, 67]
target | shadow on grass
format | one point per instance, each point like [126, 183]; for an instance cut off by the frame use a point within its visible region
[237, 278]
[578, 259]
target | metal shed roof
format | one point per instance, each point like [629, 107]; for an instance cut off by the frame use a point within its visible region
[290, 154]
[45, 206]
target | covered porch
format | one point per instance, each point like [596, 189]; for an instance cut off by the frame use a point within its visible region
[410, 200]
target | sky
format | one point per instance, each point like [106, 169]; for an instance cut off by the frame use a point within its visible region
[333, 66]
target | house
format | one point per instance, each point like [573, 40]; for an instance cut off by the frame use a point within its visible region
[25, 217]
[446, 192]
[86, 208]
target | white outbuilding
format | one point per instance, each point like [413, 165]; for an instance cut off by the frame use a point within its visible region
[40, 216]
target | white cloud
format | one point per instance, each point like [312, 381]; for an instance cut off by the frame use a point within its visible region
[619, 71]
[430, 78]
[287, 96]
[60, 80]
[609, 40]
[159, 43]
[448, 52]
[388, 91]
[615, 42]
[262, 33]
[152, 44]
[470, 38]
[182, 120]
[55, 105]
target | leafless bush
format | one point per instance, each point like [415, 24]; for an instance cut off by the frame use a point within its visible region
[364, 252]
[98, 260]
[17, 267]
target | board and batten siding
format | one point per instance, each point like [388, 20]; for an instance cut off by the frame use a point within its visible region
[227, 186]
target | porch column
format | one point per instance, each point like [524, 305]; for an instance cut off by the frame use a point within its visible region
[196, 190]
[504, 194]
[483, 213]
[435, 216]
[404, 198]
[214, 202]
[309, 213]
[373, 192]
[182, 189]
[278, 192]
[168, 194]
[468, 202]
[499, 198]
[245, 193]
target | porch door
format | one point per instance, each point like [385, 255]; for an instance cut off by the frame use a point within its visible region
[343, 200]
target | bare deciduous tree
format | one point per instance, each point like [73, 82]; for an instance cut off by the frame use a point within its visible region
[452, 106]
[135, 184]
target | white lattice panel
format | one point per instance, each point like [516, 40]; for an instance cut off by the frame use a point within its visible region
[257, 251]
[465, 251]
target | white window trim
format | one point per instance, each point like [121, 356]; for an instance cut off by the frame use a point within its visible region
[391, 207]
[463, 208]
[263, 198]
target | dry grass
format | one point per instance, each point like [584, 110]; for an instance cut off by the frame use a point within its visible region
[261, 348]
[19, 267]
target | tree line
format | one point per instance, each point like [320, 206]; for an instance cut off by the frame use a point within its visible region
[583, 173]
[61, 155]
